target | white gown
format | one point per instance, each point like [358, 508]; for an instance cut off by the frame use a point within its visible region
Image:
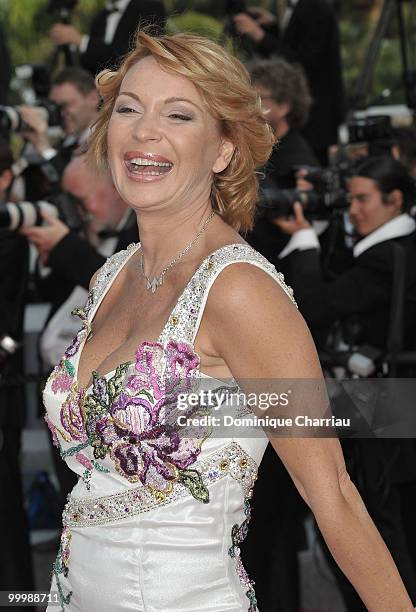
[155, 520]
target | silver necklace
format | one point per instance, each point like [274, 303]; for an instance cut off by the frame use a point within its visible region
[153, 283]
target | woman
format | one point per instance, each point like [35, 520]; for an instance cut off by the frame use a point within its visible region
[156, 519]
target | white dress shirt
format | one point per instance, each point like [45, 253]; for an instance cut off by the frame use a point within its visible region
[113, 19]
[304, 239]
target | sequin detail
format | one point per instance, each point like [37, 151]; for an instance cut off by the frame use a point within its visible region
[109, 270]
[61, 567]
[238, 534]
[183, 322]
[231, 460]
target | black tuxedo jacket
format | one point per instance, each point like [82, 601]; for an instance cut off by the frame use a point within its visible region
[99, 54]
[312, 40]
[364, 291]
[74, 261]
[14, 274]
[292, 150]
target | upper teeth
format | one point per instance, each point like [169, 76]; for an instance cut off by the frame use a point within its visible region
[139, 161]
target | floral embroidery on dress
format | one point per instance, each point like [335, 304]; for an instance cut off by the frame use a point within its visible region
[135, 422]
[238, 534]
[72, 419]
[61, 567]
[138, 429]
[62, 376]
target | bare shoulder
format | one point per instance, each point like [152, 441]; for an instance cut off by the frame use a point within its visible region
[241, 280]
[256, 327]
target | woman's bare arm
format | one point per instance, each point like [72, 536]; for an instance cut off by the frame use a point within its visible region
[260, 334]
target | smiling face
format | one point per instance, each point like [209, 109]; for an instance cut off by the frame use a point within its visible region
[163, 145]
[368, 210]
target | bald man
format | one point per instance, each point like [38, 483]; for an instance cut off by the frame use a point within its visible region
[111, 227]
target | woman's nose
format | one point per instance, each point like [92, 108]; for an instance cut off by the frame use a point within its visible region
[147, 128]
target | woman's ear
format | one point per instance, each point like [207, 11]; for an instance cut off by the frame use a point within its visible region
[224, 157]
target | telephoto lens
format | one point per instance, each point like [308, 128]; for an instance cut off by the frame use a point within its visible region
[14, 216]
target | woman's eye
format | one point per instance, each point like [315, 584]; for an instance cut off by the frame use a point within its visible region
[180, 117]
[125, 109]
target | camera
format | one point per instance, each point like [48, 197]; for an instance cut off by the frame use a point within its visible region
[64, 206]
[8, 347]
[234, 7]
[11, 118]
[328, 194]
[370, 129]
[59, 10]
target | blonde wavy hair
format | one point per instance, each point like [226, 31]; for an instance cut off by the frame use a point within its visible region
[225, 87]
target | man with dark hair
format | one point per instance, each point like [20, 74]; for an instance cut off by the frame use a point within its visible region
[111, 31]
[73, 90]
[286, 102]
[381, 193]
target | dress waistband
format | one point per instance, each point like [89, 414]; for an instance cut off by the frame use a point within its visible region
[230, 460]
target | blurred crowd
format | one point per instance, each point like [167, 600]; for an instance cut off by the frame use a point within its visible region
[336, 218]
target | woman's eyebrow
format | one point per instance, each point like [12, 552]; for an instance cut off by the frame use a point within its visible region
[167, 101]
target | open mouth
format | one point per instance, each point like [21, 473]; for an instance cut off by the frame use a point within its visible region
[147, 165]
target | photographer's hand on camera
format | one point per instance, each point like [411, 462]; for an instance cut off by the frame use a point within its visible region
[36, 119]
[250, 27]
[291, 225]
[62, 34]
[262, 15]
[45, 238]
[301, 183]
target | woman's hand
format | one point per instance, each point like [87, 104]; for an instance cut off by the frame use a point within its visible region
[291, 225]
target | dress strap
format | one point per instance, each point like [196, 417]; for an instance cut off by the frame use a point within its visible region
[105, 277]
[185, 319]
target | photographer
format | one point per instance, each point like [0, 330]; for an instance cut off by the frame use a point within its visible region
[305, 32]
[361, 298]
[73, 91]
[380, 192]
[15, 558]
[286, 102]
[73, 259]
[111, 32]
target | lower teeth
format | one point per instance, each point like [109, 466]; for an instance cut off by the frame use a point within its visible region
[152, 172]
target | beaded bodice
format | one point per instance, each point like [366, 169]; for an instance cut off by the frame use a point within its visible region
[119, 432]
[170, 488]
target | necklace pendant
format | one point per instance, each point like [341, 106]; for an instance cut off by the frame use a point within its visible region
[154, 283]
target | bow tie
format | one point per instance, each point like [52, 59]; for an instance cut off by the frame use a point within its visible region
[112, 7]
[107, 233]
